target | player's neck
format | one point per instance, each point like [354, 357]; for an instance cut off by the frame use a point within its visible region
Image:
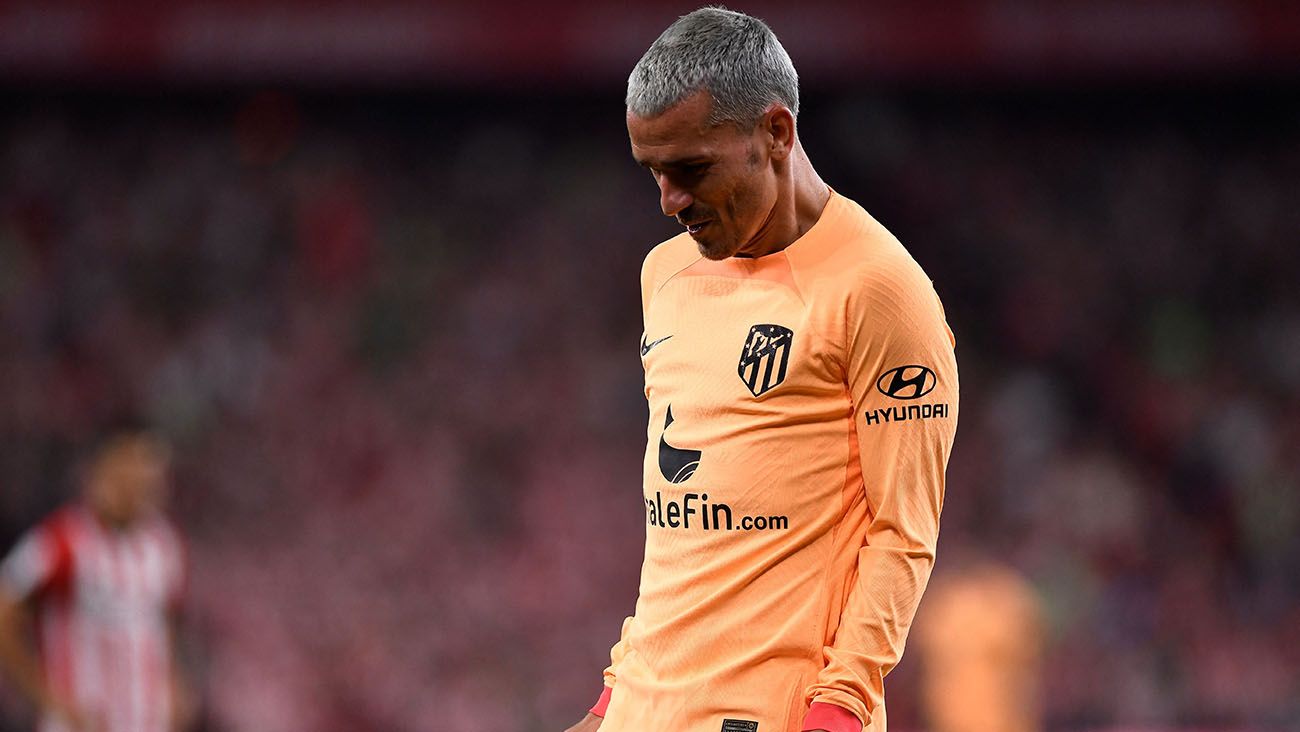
[107, 522]
[810, 192]
[800, 202]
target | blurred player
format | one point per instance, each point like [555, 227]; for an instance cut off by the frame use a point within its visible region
[981, 638]
[803, 400]
[102, 578]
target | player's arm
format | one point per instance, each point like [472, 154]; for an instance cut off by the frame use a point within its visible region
[36, 562]
[184, 706]
[16, 655]
[591, 722]
[895, 321]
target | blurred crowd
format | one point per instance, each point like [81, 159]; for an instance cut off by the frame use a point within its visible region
[394, 341]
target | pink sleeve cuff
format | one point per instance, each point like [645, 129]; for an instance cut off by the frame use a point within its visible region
[830, 718]
[602, 703]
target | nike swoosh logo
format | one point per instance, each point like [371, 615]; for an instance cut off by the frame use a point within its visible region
[676, 465]
[645, 347]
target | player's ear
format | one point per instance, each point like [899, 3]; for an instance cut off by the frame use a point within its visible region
[778, 122]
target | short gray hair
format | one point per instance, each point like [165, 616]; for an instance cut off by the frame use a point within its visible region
[734, 57]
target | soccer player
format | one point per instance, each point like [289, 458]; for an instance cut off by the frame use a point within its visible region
[981, 646]
[103, 576]
[802, 390]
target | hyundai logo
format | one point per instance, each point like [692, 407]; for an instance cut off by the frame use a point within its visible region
[907, 382]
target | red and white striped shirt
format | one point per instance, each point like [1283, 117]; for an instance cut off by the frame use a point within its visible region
[103, 597]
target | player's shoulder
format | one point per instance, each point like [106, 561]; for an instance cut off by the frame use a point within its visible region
[864, 255]
[45, 553]
[63, 525]
[665, 260]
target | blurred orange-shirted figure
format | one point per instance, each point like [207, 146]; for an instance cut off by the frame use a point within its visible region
[980, 637]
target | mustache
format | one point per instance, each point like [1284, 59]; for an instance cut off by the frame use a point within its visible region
[693, 215]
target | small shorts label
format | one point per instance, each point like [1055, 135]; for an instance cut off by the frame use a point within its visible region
[739, 725]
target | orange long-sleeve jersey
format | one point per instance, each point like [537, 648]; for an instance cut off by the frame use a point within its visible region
[802, 409]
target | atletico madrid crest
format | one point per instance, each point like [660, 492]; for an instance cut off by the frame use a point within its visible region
[765, 357]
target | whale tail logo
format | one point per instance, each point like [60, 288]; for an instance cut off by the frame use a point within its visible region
[676, 464]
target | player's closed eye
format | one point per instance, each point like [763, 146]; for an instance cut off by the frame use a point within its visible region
[695, 171]
[688, 176]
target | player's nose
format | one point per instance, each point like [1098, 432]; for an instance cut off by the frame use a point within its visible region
[673, 200]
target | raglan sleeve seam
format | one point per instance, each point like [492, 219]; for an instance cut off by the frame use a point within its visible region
[670, 278]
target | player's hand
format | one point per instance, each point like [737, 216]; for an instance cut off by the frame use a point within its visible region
[185, 707]
[589, 723]
[184, 712]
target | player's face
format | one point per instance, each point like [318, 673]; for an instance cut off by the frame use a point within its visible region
[716, 180]
[127, 480]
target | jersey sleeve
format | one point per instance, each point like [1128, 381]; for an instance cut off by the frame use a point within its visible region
[615, 656]
[648, 286]
[39, 562]
[902, 378]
